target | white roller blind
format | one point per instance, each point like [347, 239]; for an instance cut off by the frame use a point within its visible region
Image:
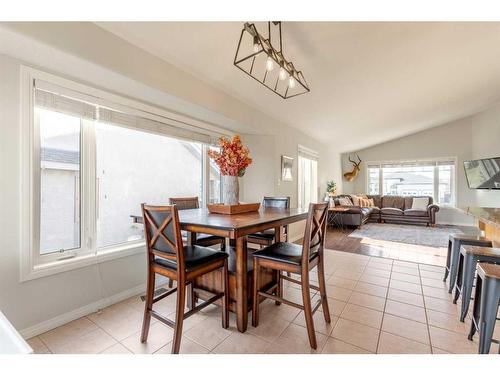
[135, 122]
[63, 104]
[60, 99]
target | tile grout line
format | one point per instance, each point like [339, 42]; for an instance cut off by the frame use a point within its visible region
[383, 313]
[425, 311]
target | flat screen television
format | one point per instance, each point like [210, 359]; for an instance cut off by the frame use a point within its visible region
[483, 173]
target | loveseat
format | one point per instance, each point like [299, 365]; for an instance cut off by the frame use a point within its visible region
[387, 209]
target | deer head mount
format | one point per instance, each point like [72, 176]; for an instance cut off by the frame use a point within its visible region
[349, 176]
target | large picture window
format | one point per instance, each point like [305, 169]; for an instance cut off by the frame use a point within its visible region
[93, 163]
[414, 178]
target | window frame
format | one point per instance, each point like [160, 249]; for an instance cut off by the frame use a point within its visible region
[452, 159]
[33, 265]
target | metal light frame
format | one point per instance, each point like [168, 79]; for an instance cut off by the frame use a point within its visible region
[265, 46]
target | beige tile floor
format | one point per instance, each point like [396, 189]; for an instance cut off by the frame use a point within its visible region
[377, 305]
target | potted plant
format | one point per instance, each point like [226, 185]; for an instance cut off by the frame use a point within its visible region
[232, 159]
[331, 188]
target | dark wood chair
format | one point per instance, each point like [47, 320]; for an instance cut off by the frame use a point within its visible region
[266, 238]
[288, 257]
[169, 257]
[201, 238]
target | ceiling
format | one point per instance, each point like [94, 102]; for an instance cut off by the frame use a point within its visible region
[370, 82]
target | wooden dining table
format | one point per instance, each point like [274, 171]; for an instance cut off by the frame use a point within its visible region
[235, 228]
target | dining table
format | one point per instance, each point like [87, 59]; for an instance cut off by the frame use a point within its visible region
[235, 228]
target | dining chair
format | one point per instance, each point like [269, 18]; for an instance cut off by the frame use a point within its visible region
[169, 257]
[201, 238]
[266, 237]
[289, 257]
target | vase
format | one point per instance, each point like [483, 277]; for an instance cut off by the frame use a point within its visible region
[230, 190]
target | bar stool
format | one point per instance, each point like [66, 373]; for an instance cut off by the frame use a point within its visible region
[454, 243]
[288, 257]
[169, 257]
[469, 257]
[486, 301]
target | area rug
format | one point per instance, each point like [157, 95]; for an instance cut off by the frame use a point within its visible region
[410, 234]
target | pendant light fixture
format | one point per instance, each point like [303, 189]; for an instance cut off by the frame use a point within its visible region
[257, 57]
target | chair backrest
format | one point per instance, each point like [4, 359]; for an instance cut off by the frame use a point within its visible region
[162, 233]
[276, 202]
[314, 235]
[185, 203]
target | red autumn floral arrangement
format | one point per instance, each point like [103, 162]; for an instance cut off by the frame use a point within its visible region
[233, 158]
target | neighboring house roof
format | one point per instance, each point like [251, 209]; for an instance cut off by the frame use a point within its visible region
[57, 155]
[409, 178]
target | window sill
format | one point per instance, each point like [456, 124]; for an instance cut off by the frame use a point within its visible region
[106, 255]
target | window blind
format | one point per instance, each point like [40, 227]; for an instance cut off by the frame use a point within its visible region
[59, 99]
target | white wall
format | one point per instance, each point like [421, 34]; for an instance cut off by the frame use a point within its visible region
[472, 137]
[88, 54]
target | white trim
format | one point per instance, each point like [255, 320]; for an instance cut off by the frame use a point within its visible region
[59, 266]
[70, 316]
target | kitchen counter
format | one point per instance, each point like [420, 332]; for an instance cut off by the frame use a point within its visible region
[489, 221]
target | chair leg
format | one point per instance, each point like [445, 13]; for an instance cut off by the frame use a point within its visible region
[448, 256]
[322, 289]
[476, 308]
[191, 295]
[279, 287]
[454, 259]
[468, 272]
[225, 299]
[306, 298]
[255, 306]
[170, 283]
[489, 310]
[179, 316]
[458, 282]
[150, 290]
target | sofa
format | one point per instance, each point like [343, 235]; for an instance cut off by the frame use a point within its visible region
[388, 209]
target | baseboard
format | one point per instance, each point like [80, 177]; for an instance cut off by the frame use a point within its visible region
[62, 319]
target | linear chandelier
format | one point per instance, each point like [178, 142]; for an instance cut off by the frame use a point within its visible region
[257, 57]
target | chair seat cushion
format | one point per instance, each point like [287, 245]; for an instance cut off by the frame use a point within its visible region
[285, 252]
[267, 234]
[194, 257]
[391, 211]
[416, 212]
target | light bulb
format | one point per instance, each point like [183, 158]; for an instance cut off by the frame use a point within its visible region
[256, 44]
[282, 73]
[269, 64]
[291, 82]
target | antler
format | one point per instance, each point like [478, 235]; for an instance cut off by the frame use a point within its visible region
[358, 159]
[352, 161]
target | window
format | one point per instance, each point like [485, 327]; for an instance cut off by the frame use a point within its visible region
[93, 162]
[59, 161]
[414, 178]
[135, 167]
[307, 177]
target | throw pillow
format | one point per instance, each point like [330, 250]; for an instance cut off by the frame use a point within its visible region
[355, 200]
[371, 202]
[345, 201]
[363, 202]
[420, 203]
